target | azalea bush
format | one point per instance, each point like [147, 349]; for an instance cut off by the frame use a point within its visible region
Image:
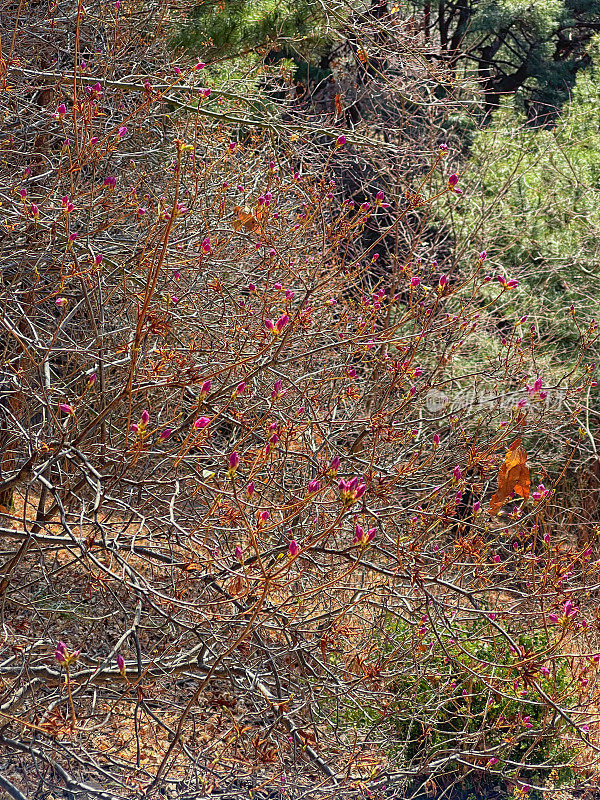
[255, 538]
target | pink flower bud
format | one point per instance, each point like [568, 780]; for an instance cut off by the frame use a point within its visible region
[294, 548]
[201, 422]
[121, 664]
[234, 460]
[340, 141]
[206, 245]
[238, 552]
[60, 654]
[165, 434]
[282, 322]
[122, 131]
[145, 417]
[66, 408]
[569, 610]
[61, 302]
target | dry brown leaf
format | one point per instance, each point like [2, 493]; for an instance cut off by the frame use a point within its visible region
[245, 219]
[513, 476]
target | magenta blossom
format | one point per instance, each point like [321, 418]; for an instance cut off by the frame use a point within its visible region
[233, 462]
[294, 548]
[569, 612]
[351, 491]
[340, 141]
[278, 391]
[361, 537]
[121, 664]
[281, 322]
[60, 652]
[62, 655]
[201, 422]
[66, 408]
